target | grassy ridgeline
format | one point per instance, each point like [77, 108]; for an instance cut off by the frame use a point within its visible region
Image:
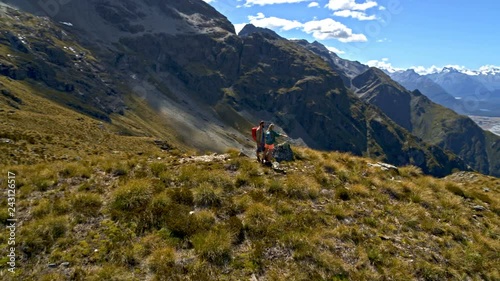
[331, 217]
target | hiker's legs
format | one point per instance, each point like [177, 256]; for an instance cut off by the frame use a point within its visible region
[269, 152]
[270, 155]
[260, 149]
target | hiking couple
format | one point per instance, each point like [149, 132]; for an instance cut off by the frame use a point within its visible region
[266, 139]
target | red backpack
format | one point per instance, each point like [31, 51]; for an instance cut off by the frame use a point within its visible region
[254, 133]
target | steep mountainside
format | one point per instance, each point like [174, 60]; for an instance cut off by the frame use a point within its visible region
[133, 80]
[345, 68]
[431, 122]
[207, 85]
[378, 89]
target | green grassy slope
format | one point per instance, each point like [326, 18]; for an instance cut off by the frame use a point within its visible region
[331, 217]
[35, 129]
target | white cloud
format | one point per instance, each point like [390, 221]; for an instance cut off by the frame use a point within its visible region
[313, 4]
[383, 64]
[250, 3]
[354, 14]
[209, 1]
[424, 70]
[336, 5]
[335, 50]
[257, 17]
[320, 29]
[382, 8]
[331, 29]
[260, 20]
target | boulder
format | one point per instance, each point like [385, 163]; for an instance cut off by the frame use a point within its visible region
[283, 152]
[163, 145]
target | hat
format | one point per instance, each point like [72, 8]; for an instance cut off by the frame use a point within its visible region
[261, 122]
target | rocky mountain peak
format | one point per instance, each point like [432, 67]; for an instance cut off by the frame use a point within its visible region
[249, 29]
[320, 46]
[450, 70]
[406, 74]
[373, 75]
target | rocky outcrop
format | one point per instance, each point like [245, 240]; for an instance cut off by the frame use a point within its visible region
[283, 152]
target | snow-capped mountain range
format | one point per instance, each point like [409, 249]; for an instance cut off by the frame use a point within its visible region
[487, 70]
[470, 92]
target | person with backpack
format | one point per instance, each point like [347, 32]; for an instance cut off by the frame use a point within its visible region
[258, 134]
[270, 142]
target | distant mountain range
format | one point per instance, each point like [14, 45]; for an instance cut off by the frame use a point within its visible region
[465, 91]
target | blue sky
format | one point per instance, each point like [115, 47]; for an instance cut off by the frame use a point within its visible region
[419, 34]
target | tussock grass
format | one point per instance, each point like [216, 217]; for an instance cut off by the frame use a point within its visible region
[214, 245]
[300, 187]
[86, 204]
[39, 236]
[162, 261]
[331, 217]
[410, 171]
[207, 196]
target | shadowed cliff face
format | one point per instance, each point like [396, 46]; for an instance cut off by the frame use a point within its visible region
[394, 101]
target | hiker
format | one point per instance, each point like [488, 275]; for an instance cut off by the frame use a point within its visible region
[271, 141]
[260, 140]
